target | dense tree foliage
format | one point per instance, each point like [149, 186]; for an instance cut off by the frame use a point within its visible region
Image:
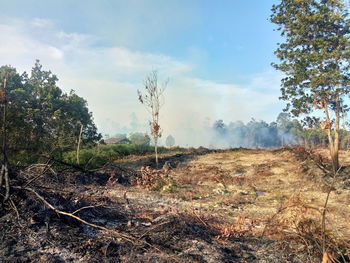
[315, 58]
[41, 118]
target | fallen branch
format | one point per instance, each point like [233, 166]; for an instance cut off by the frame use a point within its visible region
[45, 167]
[114, 232]
[126, 237]
[16, 210]
[75, 166]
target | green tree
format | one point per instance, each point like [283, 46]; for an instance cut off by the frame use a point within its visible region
[41, 117]
[170, 141]
[19, 100]
[314, 58]
[139, 138]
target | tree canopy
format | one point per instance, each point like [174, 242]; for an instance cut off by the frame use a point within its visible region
[315, 60]
[41, 118]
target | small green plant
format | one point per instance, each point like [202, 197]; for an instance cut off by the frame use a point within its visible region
[169, 186]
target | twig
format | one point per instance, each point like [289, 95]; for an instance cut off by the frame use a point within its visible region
[79, 141]
[16, 210]
[128, 203]
[106, 248]
[152, 228]
[41, 174]
[75, 166]
[200, 219]
[85, 207]
[325, 209]
[12, 204]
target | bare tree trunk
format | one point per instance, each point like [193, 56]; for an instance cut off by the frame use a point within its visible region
[156, 150]
[79, 141]
[333, 142]
[336, 135]
[4, 167]
[282, 141]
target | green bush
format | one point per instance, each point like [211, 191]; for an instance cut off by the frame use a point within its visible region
[96, 157]
[89, 158]
[22, 158]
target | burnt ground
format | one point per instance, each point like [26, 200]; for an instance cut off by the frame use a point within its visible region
[209, 206]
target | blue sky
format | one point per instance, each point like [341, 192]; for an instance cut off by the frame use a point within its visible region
[217, 55]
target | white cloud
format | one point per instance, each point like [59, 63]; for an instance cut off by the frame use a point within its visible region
[40, 22]
[108, 78]
[55, 52]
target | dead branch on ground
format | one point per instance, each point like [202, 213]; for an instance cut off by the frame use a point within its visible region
[126, 237]
[75, 166]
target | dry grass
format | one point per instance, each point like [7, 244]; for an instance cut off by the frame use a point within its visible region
[265, 186]
[275, 194]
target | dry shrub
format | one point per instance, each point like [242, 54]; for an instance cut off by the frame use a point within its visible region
[240, 180]
[220, 230]
[307, 154]
[202, 173]
[301, 226]
[113, 179]
[263, 170]
[301, 150]
[150, 214]
[292, 215]
[154, 180]
[242, 227]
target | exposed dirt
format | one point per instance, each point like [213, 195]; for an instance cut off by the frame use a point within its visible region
[226, 206]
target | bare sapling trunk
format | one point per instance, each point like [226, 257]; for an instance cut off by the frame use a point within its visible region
[153, 101]
[156, 152]
[79, 141]
[4, 174]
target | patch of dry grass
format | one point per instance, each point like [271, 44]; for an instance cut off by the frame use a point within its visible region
[266, 186]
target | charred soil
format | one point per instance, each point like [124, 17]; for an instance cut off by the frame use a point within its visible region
[209, 206]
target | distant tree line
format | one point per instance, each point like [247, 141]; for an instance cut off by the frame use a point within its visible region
[137, 138]
[284, 131]
[41, 118]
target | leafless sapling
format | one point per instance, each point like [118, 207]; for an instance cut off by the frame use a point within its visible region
[79, 141]
[153, 100]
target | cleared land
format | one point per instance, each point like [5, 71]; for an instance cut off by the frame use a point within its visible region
[225, 206]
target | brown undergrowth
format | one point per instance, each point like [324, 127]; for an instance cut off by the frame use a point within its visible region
[297, 227]
[228, 206]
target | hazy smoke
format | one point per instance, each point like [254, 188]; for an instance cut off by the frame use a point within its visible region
[216, 134]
